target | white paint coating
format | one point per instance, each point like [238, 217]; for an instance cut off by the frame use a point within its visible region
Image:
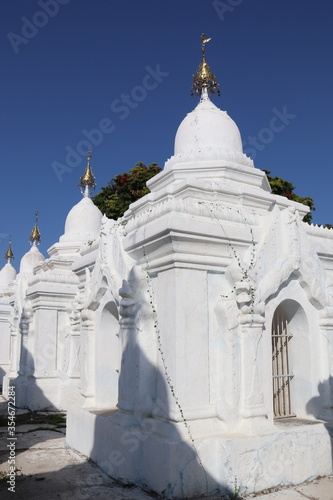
[82, 222]
[207, 128]
[30, 260]
[155, 332]
[7, 276]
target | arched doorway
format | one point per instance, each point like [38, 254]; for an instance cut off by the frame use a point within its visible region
[107, 360]
[290, 360]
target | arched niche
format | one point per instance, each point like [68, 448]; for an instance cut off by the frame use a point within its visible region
[291, 360]
[107, 357]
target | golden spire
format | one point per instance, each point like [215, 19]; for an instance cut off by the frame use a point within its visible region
[9, 254]
[87, 180]
[204, 78]
[35, 234]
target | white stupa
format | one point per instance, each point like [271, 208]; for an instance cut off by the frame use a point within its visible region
[7, 273]
[207, 129]
[208, 146]
[34, 257]
[207, 133]
[84, 219]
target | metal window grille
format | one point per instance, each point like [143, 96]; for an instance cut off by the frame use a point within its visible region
[282, 377]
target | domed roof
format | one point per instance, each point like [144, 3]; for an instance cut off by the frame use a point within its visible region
[83, 222]
[31, 259]
[207, 129]
[7, 275]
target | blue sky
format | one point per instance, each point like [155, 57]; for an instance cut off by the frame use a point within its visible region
[68, 67]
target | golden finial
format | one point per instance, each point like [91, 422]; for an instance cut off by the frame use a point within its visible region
[204, 78]
[87, 180]
[35, 234]
[9, 254]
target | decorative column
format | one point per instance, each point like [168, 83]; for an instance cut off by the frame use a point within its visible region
[127, 338]
[15, 345]
[251, 331]
[325, 387]
[87, 353]
[71, 364]
[26, 367]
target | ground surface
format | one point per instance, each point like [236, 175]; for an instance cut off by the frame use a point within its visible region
[48, 468]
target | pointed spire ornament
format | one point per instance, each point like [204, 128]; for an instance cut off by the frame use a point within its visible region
[204, 81]
[35, 234]
[87, 181]
[9, 254]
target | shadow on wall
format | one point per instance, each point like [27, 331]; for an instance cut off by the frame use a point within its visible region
[2, 374]
[133, 446]
[34, 366]
[146, 448]
[321, 407]
[30, 441]
[27, 393]
[126, 444]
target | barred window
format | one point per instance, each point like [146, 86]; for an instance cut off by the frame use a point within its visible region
[282, 378]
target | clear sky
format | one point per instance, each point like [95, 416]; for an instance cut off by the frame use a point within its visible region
[70, 67]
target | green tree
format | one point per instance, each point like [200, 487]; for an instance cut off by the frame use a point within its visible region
[285, 188]
[124, 189]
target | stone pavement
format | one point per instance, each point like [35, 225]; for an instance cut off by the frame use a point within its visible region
[48, 469]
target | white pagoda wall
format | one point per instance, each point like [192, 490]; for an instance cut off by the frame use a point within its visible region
[5, 312]
[195, 397]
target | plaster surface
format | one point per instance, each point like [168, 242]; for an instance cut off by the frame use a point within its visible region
[155, 331]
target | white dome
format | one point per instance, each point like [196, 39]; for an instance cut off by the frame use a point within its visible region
[83, 222]
[207, 129]
[7, 275]
[30, 260]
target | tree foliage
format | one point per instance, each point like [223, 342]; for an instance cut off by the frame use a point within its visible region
[285, 188]
[124, 189]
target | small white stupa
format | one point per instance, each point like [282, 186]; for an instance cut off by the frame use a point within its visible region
[32, 258]
[84, 219]
[7, 273]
